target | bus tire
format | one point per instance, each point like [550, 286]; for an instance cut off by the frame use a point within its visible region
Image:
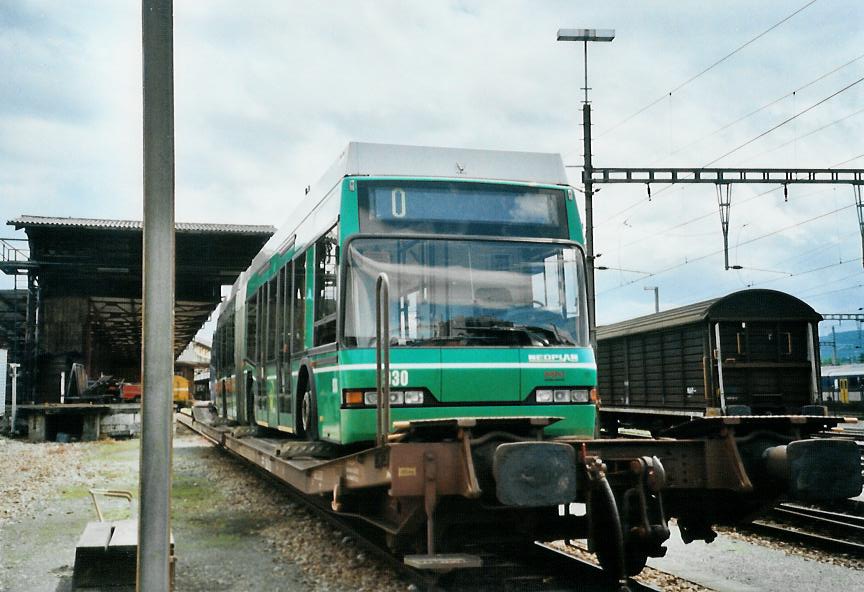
[306, 410]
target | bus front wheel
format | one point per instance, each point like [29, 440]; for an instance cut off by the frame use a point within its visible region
[308, 416]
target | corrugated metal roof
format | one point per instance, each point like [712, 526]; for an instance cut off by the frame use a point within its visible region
[661, 320]
[103, 224]
[757, 304]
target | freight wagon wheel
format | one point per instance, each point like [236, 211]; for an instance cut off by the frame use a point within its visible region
[609, 541]
[308, 416]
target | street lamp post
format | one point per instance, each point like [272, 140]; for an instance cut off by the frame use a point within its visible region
[586, 35]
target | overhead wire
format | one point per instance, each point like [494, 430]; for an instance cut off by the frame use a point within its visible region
[798, 293]
[834, 281]
[698, 218]
[689, 221]
[739, 147]
[839, 164]
[710, 214]
[805, 272]
[835, 291]
[704, 71]
[750, 141]
[689, 260]
[810, 133]
[784, 122]
[763, 107]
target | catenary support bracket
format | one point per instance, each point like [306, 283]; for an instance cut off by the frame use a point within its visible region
[724, 201]
[859, 205]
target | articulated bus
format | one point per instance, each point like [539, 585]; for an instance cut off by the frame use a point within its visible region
[483, 252]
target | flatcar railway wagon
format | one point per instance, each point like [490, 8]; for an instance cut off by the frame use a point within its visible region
[750, 352]
[420, 322]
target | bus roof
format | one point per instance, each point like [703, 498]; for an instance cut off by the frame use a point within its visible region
[386, 160]
[366, 159]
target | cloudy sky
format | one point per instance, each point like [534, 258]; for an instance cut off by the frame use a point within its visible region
[268, 93]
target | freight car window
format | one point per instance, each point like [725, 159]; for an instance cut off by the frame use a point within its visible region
[785, 342]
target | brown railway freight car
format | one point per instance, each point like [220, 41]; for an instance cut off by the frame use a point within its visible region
[750, 352]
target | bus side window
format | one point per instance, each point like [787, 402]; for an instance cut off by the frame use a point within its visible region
[299, 334]
[326, 255]
[252, 327]
[230, 349]
[272, 319]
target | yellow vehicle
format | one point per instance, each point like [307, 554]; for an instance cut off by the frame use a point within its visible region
[182, 391]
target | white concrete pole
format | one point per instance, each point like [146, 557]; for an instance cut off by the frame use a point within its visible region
[13, 416]
[154, 518]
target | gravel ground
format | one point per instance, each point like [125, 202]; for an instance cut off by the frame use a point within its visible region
[799, 550]
[739, 564]
[233, 530]
[649, 575]
[324, 558]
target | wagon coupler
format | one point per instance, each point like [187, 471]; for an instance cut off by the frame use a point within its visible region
[626, 530]
[643, 518]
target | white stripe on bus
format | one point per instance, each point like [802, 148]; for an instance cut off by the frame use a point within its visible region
[458, 366]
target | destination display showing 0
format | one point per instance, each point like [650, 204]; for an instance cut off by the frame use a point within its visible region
[462, 208]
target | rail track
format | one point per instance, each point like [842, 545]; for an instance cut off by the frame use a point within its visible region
[505, 568]
[838, 528]
[836, 532]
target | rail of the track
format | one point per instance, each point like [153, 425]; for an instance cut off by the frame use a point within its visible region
[538, 567]
[829, 530]
[837, 529]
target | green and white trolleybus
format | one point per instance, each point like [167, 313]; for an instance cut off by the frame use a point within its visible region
[484, 256]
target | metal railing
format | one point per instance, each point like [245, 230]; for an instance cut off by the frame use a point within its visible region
[10, 253]
[382, 358]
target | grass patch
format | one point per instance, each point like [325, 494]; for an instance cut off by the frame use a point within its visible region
[190, 493]
[75, 492]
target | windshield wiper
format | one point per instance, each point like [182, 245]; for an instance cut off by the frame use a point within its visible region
[536, 335]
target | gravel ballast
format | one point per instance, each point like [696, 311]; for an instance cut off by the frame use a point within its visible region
[234, 530]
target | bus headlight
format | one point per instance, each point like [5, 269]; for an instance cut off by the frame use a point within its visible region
[397, 398]
[413, 397]
[545, 396]
[580, 395]
[562, 396]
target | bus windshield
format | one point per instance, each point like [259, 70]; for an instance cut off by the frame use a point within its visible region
[457, 293]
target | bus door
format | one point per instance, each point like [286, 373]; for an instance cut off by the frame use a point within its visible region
[269, 386]
[293, 346]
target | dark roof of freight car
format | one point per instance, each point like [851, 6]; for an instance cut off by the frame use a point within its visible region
[745, 305]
